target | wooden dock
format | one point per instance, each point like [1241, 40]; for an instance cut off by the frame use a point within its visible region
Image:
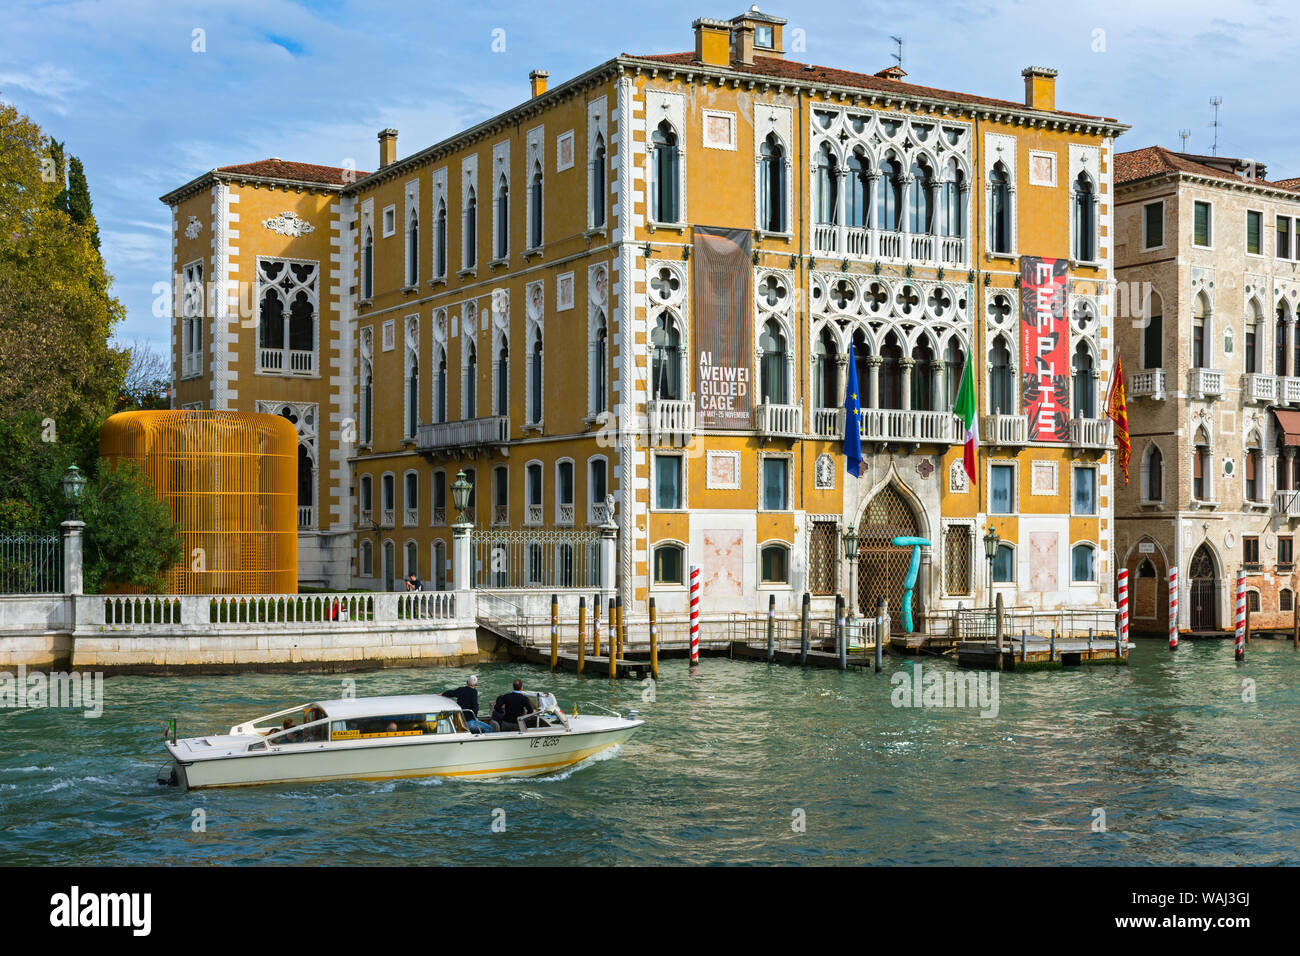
[1038, 653]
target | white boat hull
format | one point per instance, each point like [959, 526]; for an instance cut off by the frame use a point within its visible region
[514, 754]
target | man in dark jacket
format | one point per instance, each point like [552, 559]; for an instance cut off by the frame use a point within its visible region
[467, 696]
[514, 706]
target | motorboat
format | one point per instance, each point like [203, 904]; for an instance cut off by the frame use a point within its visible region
[385, 738]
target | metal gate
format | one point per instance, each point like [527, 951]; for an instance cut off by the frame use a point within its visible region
[882, 567]
[1204, 590]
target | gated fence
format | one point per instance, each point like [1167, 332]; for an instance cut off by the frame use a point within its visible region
[540, 558]
[31, 562]
[977, 624]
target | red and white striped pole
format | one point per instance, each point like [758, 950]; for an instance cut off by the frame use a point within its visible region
[1173, 608]
[695, 614]
[1241, 615]
[1123, 607]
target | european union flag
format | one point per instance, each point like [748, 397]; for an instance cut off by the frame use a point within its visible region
[852, 439]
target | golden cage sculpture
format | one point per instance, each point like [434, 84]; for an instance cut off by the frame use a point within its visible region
[231, 481]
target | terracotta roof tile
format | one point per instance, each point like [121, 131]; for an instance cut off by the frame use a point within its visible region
[298, 172]
[776, 68]
[1156, 160]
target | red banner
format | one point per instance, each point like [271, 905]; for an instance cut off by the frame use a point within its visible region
[1045, 348]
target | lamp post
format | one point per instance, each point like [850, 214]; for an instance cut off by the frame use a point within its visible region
[460, 543]
[851, 553]
[74, 484]
[991, 541]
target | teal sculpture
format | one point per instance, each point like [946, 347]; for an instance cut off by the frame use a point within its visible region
[913, 570]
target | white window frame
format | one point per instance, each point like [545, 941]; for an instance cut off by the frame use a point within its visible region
[366, 550]
[789, 481]
[1096, 490]
[1015, 566]
[591, 500]
[409, 520]
[388, 220]
[685, 565]
[1209, 224]
[1014, 465]
[560, 520]
[192, 313]
[387, 520]
[540, 518]
[1245, 237]
[758, 568]
[1096, 564]
[682, 504]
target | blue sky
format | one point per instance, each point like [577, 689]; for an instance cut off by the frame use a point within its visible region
[122, 84]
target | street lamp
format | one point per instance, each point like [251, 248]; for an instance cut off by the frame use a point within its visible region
[460, 489]
[991, 541]
[74, 484]
[851, 553]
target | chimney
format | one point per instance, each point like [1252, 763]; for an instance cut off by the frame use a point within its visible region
[742, 48]
[712, 42]
[387, 147]
[1040, 87]
[892, 73]
[538, 80]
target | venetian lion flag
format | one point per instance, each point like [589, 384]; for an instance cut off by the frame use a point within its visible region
[965, 410]
[1117, 412]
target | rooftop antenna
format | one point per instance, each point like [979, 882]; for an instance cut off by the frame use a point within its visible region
[1184, 135]
[899, 55]
[1215, 101]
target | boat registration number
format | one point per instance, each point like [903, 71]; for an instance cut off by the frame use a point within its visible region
[537, 742]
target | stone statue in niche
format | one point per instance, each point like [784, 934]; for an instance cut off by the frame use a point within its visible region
[824, 472]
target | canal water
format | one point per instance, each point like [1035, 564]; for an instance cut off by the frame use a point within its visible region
[1159, 762]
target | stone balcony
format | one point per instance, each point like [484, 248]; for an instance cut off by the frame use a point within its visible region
[779, 421]
[1148, 383]
[1259, 388]
[851, 242]
[1004, 430]
[1090, 432]
[1206, 383]
[466, 435]
[1287, 504]
[1288, 390]
[671, 421]
[890, 425]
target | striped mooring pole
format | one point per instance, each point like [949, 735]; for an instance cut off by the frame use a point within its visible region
[1123, 607]
[695, 614]
[1241, 615]
[1173, 609]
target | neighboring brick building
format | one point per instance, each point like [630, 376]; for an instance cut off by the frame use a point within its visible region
[1208, 269]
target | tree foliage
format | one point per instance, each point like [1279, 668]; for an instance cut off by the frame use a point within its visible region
[56, 312]
[130, 536]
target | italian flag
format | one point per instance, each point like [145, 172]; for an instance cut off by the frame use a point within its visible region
[965, 410]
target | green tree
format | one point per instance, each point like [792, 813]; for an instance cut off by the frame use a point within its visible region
[130, 536]
[56, 311]
[80, 208]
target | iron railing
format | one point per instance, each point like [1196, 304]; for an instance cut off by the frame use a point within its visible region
[31, 562]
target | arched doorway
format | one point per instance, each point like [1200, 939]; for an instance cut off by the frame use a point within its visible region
[882, 567]
[1203, 590]
[1148, 582]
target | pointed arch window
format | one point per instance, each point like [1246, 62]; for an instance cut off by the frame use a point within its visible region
[440, 385]
[469, 381]
[665, 359]
[1002, 390]
[889, 196]
[368, 264]
[922, 371]
[535, 381]
[771, 185]
[1085, 388]
[412, 397]
[773, 386]
[826, 187]
[1254, 470]
[954, 360]
[440, 240]
[367, 403]
[1085, 220]
[503, 380]
[891, 372]
[1153, 475]
[412, 248]
[598, 188]
[950, 211]
[858, 196]
[535, 207]
[1200, 334]
[599, 360]
[999, 209]
[665, 175]
[503, 219]
[471, 229]
[826, 371]
[1201, 466]
[287, 316]
[921, 198]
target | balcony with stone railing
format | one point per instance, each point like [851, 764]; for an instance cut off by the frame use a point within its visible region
[779, 421]
[306, 516]
[828, 422]
[1004, 430]
[923, 249]
[906, 425]
[465, 434]
[1090, 432]
[1148, 383]
[1288, 391]
[1260, 388]
[287, 361]
[671, 421]
[1287, 504]
[1206, 383]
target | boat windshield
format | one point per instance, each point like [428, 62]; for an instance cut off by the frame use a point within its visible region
[399, 725]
